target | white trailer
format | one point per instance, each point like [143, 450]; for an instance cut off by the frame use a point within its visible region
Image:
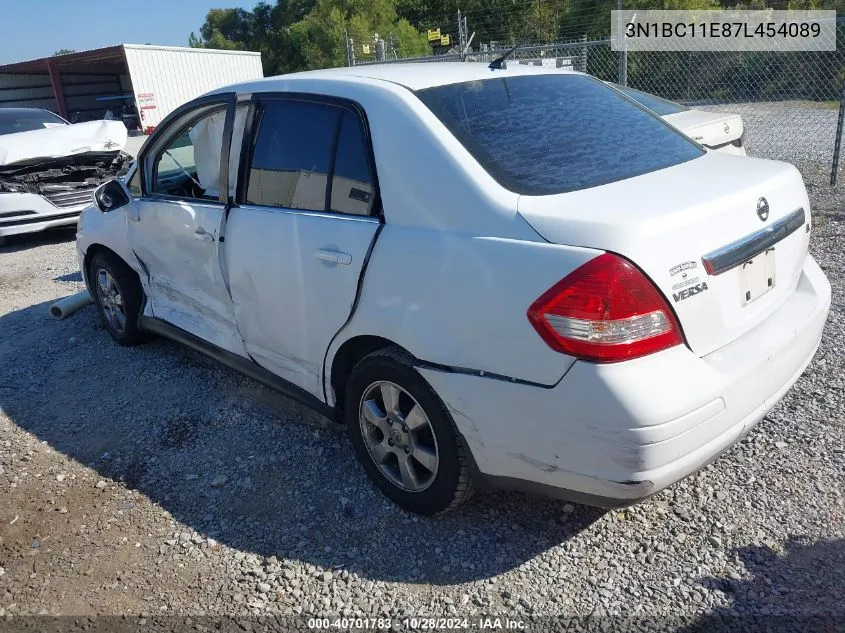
[154, 79]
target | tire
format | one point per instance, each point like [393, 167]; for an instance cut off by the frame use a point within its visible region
[387, 376]
[119, 307]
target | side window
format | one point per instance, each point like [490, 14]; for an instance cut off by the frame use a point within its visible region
[352, 186]
[292, 154]
[189, 166]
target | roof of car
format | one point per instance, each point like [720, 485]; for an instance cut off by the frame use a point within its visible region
[416, 76]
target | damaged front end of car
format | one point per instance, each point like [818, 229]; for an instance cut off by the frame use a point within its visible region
[65, 182]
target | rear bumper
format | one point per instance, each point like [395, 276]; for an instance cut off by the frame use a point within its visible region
[614, 434]
[30, 213]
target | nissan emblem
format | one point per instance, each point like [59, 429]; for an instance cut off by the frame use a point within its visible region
[763, 209]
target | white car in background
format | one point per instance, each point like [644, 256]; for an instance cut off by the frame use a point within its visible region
[49, 168]
[487, 273]
[715, 130]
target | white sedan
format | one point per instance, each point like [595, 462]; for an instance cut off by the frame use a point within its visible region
[495, 277]
[719, 131]
[49, 168]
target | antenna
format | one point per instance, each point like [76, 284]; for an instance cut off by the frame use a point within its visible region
[499, 62]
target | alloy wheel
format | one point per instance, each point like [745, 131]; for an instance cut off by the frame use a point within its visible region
[111, 300]
[398, 436]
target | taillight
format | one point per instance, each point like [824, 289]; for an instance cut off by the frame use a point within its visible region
[605, 311]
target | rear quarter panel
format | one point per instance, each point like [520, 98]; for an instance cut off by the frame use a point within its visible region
[461, 300]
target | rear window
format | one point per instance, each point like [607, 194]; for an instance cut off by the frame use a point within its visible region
[656, 104]
[548, 134]
[14, 121]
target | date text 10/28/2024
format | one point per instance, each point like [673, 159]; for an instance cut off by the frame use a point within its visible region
[415, 623]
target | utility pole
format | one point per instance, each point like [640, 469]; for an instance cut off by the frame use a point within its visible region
[623, 55]
[461, 35]
[391, 41]
[350, 58]
[834, 170]
[379, 46]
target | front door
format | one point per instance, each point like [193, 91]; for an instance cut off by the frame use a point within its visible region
[297, 242]
[178, 223]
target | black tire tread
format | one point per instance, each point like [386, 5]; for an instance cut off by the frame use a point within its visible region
[133, 296]
[464, 490]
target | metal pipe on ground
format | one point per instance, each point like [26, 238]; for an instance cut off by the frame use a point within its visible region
[63, 308]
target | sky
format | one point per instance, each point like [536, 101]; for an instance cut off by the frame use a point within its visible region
[38, 28]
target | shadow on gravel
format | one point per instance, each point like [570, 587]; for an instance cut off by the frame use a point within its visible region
[244, 465]
[77, 276]
[26, 241]
[801, 590]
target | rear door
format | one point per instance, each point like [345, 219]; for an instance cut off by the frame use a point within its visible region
[299, 237]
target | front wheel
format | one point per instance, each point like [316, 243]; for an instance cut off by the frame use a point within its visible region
[404, 436]
[119, 297]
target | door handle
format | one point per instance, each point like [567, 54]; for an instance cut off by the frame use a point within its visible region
[202, 234]
[333, 257]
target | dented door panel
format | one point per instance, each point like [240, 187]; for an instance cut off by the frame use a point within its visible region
[177, 244]
[294, 277]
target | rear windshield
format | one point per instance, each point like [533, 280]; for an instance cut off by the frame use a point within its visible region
[656, 104]
[14, 121]
[547, 134]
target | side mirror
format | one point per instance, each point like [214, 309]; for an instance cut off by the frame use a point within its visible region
[110, 196]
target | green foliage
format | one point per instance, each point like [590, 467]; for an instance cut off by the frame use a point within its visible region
[302, 34]
[64, 51]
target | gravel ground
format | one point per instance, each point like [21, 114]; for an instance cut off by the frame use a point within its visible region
[151, 481]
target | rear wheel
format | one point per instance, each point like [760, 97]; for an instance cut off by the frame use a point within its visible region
[404, 436]
[119, 297]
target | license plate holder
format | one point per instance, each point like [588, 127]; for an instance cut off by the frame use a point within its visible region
[757, 276]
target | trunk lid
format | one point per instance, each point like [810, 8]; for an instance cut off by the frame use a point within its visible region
[708, 128]
[667, 221]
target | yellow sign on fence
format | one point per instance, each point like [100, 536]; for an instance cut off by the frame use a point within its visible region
[366, 48]
[444, 41]
[434, 35]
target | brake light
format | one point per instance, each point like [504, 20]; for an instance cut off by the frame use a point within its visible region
[605, 311]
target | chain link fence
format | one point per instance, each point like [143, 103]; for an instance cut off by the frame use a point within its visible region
[789, 101]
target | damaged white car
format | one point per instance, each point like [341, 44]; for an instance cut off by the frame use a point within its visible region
[506, 277]
[49, 168]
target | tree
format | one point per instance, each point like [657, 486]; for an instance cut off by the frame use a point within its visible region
[300, 34]
[320, 36]
[63, 51]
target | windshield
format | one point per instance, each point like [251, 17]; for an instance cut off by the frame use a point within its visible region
[13, 121]
[654, 103]
[547, 134]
